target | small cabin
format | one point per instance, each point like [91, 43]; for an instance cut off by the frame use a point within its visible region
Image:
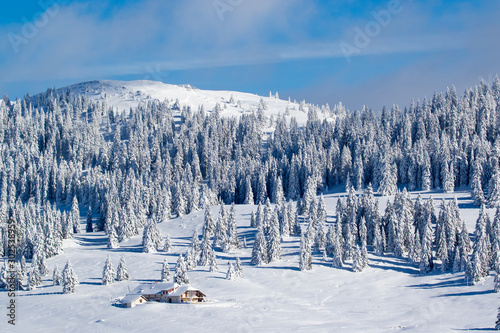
[132, 300]
[164, 293]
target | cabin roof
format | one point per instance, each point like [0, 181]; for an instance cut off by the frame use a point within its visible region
[153, 288]
[131, 298]
[182, 289]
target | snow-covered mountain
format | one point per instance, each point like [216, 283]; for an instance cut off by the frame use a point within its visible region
[123, 95]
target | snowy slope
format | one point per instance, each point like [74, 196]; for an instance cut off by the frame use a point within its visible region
[389, 296]
[124, 95]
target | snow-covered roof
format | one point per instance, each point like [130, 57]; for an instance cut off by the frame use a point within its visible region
[182, 289]
[147, 289]
[130, 298]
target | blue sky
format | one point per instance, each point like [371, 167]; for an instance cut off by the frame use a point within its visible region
[396, 50]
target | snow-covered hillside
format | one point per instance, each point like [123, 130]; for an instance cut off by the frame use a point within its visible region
[389, 296]
[124, 95]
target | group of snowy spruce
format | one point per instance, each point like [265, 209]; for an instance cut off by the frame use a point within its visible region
[63, 155]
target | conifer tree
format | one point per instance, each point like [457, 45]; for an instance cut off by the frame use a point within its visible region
[34, 279]
[296, 228]
[253, 222]
[56, 277]
[75, 215]
[426, 260]
[238, 269]
[70, 280]
[337, 247]
[180, 276]
[481, 256]
[259, 251]
[206, 249]
[274, 244]
[359, 261]
[89, 227]
[112, 239]
[248, 192]
[122, 271]
[415, 252]
[377, 241]
[167, 246]
[24, 268]
[195, 242]
[221, 228]
[190, 259]
[230, 274]
[209, 224]
[476, 186]
[493, 199]
[108, 272]
[165, 272]
[232, 231]
[212, 261]
[305, 261]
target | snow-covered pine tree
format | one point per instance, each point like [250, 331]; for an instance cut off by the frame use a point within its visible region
[70, 280]
[190, 259]
[495, 241]
[24, 268]
[112, 238]
[205, 252]
[209, 224]
[34, 279]
[248, 192]
[480, 260]
[167, 246]
[359, 262]
[442, 251]
[151, 237]
[165, 271]
[330, 240]
[493, 199]
[416, 249]
[305, 261]
[212, 261]
[108, 272]
[296, 228]
[477, 186]
[122, 271]
[253, 223]
[17, 278]
[337, 247]
[238, 269]
[274, 244]
[378, 243]
[259, 251]
[56, 277]
[388, 184]
[90, 226]
[180, 276]
[230, 274]
[195, 242]
[75, 215]
[221, 228]
[232, 231]
[426, 260]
